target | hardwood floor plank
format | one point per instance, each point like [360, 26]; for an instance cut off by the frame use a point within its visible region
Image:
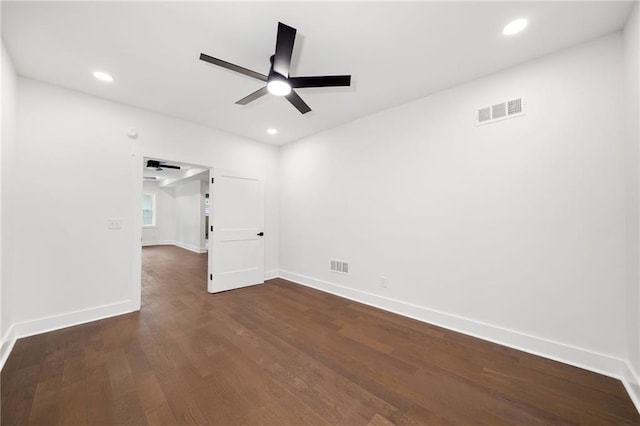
[100, 407]
[46, 402]
[161, 416]
[284, 354]
[378, 420]
[74, 370]
[182, 400]
[73, 403]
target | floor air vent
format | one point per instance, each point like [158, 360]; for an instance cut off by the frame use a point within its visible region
[499, 111]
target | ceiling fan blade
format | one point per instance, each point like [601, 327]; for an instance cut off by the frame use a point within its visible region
[320, 81]
[284, 49]
[252, 97]
[232, 67]
[297, 102]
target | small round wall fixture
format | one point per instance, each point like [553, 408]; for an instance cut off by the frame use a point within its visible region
[272, 131]
[515, 26]
[132, 133]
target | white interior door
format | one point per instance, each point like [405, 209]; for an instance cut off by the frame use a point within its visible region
[236, 242]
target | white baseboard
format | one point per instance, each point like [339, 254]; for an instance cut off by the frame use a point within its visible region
[269, 275]
[185, 246]
[6, 345]
[631, 381]
[578, 357]
[190, 247]
[157, 243]
[56, 322]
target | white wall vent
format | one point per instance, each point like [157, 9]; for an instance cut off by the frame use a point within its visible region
[515, 106]
[339, 266]
[484, 114]
[499, 111]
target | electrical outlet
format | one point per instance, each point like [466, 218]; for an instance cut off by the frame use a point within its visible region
[383, 282]
[114, 223]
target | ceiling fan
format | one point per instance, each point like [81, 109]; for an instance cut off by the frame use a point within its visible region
[160, 165]
[278, 81]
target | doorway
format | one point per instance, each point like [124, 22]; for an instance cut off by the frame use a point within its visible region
[175, 210]
[232, 243]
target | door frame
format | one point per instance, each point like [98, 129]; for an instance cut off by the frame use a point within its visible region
[137, 164]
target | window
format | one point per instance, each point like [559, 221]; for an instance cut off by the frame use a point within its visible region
[148, 209]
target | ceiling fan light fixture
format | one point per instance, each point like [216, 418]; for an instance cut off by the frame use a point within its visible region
[278, 87]
[279, 83]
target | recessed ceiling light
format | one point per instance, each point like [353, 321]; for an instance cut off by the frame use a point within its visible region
[272, 131]
[103, 76]
[515, 26]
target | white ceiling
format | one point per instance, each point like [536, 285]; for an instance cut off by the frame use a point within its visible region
[395, 51]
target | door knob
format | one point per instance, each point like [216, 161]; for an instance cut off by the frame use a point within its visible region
[260, 234]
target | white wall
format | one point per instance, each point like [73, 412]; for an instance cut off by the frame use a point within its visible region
[631, 76]
[189, 216]
[513, 231]
[165, 229]
[179, 215]
[8, 77]
[65, 264]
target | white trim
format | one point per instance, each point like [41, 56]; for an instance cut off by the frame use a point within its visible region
[190, 247]
[137, 188]
[69, 319]
[572, 355]
[185, 246]
[6, 345]
[158, 243]
[57, 322]
[631, 381]
[269, 275]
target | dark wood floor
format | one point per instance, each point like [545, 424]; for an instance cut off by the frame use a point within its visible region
[279, 354]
